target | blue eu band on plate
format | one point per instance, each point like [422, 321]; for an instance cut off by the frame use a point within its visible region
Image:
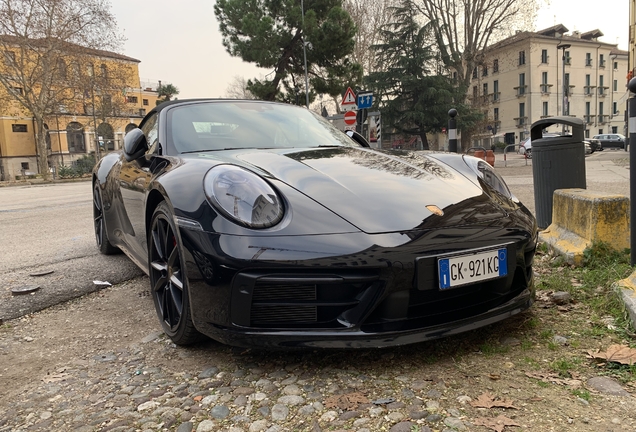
[466, 269]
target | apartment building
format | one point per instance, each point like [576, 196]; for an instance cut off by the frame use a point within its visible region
[534, 75]
[93, 121]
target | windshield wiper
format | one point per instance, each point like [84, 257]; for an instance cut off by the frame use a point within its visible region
[221, 149]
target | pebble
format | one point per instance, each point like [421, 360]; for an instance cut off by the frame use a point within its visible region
[119, 392]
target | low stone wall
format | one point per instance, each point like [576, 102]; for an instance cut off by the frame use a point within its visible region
[581, 217]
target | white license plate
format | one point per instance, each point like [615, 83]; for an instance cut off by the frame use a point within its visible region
[465, 269]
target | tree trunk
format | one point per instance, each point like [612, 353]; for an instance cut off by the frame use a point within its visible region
[425, 145]
[42, 151]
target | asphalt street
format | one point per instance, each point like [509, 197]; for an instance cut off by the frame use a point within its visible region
[49, 228]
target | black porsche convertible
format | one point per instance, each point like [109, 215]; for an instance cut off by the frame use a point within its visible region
[261, 224]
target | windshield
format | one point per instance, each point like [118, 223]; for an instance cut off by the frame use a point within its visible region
[220, 125]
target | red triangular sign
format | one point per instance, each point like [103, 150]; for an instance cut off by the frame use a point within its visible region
[349, 97]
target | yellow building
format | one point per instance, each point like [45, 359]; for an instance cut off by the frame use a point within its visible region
[91, 122]
[524, 78]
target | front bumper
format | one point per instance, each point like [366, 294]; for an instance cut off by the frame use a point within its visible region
[349, 290]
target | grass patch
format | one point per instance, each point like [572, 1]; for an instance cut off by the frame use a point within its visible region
[583, 394]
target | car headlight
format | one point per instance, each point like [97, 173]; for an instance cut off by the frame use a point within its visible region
[488, 175]
[243, 196]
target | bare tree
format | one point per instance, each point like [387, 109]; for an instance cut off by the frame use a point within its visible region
[464, 28]
[40, 40]
[369, 18]
[237, 89]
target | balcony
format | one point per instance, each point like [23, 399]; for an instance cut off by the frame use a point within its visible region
[588, 90]
[588, 119]
[521, 122]
[602, 91]
[588, 62]
[601, 63]
[602, 119]
[545, 89]
[521, 90]
[568, 61]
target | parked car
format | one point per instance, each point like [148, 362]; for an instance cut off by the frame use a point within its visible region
[526, 145]
[609, 140]
[261, 224]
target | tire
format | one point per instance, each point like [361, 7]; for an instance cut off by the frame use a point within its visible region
[168, 280]
[529, 153]
[101, 233]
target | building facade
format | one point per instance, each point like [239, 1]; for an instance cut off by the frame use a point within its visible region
[94, 122]
[534, 75]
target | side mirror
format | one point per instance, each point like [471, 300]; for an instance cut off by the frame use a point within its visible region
[135, 144]
[357, 138]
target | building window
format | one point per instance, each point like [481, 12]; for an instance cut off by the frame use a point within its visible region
[545, 109]
[614, 108]
[104, 71]
[9, 57]
[475, 73]
[568, 59]
[495, 89]
[615, 65]
[588, 59]
[588, 108]
[484, 71]
[545, 87]
[600, 108]
[496, 114]
[614, 129]
[144, 101]
[601, 61]
[19, 128]
[90, 69]
[485, 89]
[615, 85]
[522, 58]
[521, 90]
[25, 166]
[544, 56]
[61, 70]
[132, 99]
[495, 65]
[601, 87]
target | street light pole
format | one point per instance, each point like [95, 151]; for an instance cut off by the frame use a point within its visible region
[302, 12]
[565, 110]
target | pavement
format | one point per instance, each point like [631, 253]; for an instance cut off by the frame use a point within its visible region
[606, 171]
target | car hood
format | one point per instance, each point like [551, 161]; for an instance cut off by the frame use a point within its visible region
[379, 191]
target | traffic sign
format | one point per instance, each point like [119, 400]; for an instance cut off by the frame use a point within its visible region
[365, 100]
[349, 97]
[350, 117]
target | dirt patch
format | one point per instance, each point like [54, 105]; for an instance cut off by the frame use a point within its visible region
[532, 369]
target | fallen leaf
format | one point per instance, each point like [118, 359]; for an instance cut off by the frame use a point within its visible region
[555, 379]
[494, 376]
[487, 400]
[497, 424]
[616, 353]
[348, 401]
[197, 398]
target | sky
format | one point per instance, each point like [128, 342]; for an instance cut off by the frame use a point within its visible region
[179, 42]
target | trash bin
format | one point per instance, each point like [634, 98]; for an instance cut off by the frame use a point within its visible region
[557, 163]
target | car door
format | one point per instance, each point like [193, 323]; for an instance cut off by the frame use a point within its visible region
[134, 179]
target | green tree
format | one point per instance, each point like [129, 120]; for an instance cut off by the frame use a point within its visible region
[271, 34]
[414, 94]
[166, 92]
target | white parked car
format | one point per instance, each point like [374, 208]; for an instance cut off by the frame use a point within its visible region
[526, 145]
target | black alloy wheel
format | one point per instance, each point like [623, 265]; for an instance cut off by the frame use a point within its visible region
[101, 235]
[168, 281]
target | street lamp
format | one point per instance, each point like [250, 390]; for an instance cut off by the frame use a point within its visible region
[565, 110]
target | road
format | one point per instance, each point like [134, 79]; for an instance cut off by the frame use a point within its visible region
[50, 228]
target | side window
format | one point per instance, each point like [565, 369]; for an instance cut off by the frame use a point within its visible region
[151, 130]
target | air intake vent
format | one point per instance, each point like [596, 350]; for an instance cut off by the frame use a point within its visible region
[265, 314]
